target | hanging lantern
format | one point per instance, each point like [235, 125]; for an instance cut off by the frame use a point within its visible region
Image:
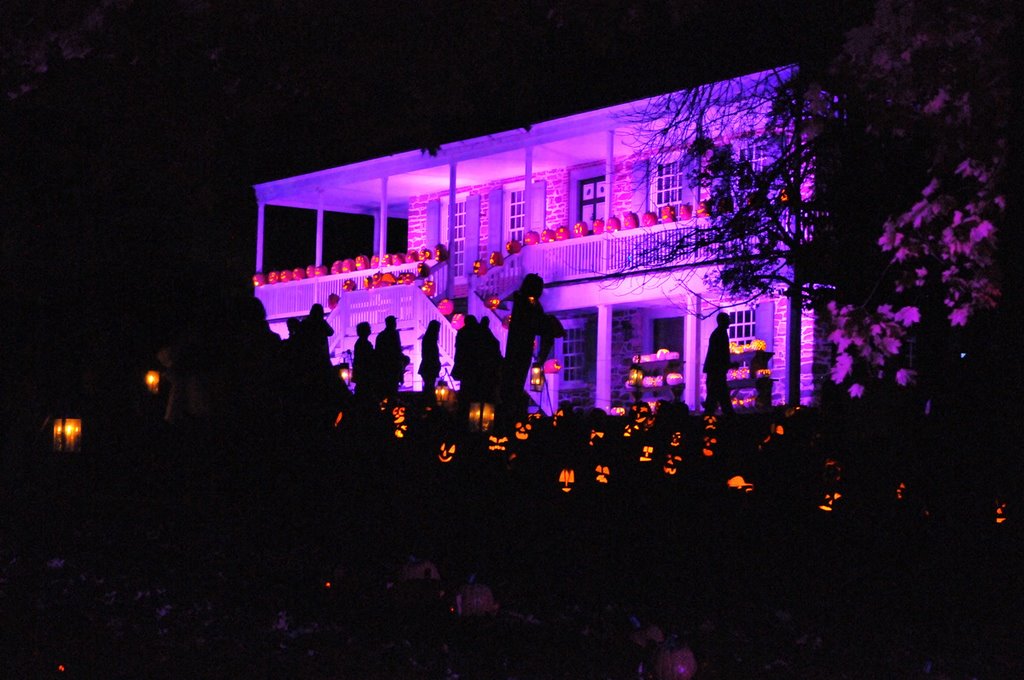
[361, 262]
[493, 302]
[580, 229]
[531, 238]
[563, 233]
[67, 435]
[153, 382]
[258, 280]
[481, 416]
[479, 267]
[536, 378]
[458, 321]
[598, 226]
[495, 259]
[441, 253]
[429, 288]
[345, 372]
[552, 366]
[567, 477]
[446, 307]
[513, 247]
[547, 236]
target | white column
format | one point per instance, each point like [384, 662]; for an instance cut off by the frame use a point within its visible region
[603, 387]
[698, 355]
[259, 236]
[382, 244]
[528, 192]
[320, 231]
[452, 185]
[691, 353]
[609, 173]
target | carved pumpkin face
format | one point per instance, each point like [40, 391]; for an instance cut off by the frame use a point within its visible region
[513, 247]
[479, 267]
[676, 440]
[580, 229]
[348, 285]
[562, 233]
[829, 501]
[531, 238]
[547, 236]
[428, 288]
[497, 443]
[740, 484]
[567, 477]
[710, 442]
[1000, 512]
[901, 491]
[523, 429]
[496, 259]
[493, 302]
[602, 473]
[401, 424]
[595, 435]
[671, 460]
[447, 452]
[646, 453]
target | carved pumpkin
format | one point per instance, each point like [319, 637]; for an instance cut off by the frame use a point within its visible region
[474, 599]
[259, 280]
[446, 306]
[673, 661]
[671, 460]
[567, 477]
[513, 247]
[496, 259]
[649, 219]
[336, 267]
[375, 262]
[703, 209]
[447, 452]
[441, 253]
[273, 277]
[599, 226]
[522, 429]
[423, 270]
[601, 474]
[497, 443]
[479, 267]
[740, 484]
[646, 453]
[429, 288]
[547, 236]
[580, 229]
[630, 221]
[347, 265]
[552, 366]
[595, 435]
[493, 302]
[320, 270]
[285, 276]
[362, 262]
[348, 285]
[685, 212]
[613, 224]
[309, 272]
[412, 256]
[668, 213]
[426, 254]
[401, 425]
[531, 238]
[563, 233]
[458, 321]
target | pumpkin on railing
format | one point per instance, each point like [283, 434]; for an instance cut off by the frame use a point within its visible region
[298, 274]
[412, 256]
[630, 221]
[496, 259]
[273, 277]
[563, 233]
[429, 288]
[423, 270]
[441, 253]
[285, 276]
[598, 226]
[348, 285]
[407, 278]
[258, 280]
[668, 214]
[649, 219]
[547, 236]
[580, 229]
[613, 224]
[479, 267]
[685, 212]
[362, 262]
[397, 259]
[531, 238]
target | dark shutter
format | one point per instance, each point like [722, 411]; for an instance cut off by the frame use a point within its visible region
[495, 221]
[433, 235]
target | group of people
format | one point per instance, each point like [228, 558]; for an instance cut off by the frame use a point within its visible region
[378, 368]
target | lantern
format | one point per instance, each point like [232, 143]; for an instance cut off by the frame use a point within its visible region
[458, 321]
[513, 247]
[441, 253]
[668, 213]
[531, 238]
[599, 226]
[496, 259]
[630, 221]
[649, 219]
[567, 477]
[429, 288]
[445, 396]
[258, 280]
[580, 229]
[446, 306]
[493, 302]
[447, 452]
[361, 262]
[153, 382]
[479, 267]
[563, 233]
[536, 378]
[602, 474]
[67, 435]
[348, 285]
[547, 235]
[345, 372]
[552, 366]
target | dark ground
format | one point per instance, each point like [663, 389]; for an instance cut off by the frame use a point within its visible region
[202, 551]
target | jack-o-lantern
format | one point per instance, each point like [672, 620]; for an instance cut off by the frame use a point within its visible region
[412, 256]
[673, 660]
[630, 221]
[497, 443]
[710, 423]
[901, 491]
[375, 262]
[474, 599]
[361, 262]
[287, 275]
[1000, 512]
[441, 252]
[531, 238]
[426, 254]
[398, 258]
[320, 270]
[407, 278]
[479, 267]
[493, 302]
[429, 288]
[613, 224]
[552, 366]
[649, 219]
[347, 265]
[336, 267]
[601, 474]
[310, 271]
[563, 233]
[496, 259]
[446, 454]
[567, 477]
[401, 424]
[647, 453]
[595, 435]
[446, 306]
[348, 285]
[685, 212]
[668, 213]
[258, 280]
[547, 235]
[368, 282]
[740, 484]
[599, 226]
[703, 209]
[423, 270]
[580, 229]
[676, 440]
[298, 274]
[671, 460]
[710, 442]
[828, 502]
[513, 247]
[273, 277]
[523, 429]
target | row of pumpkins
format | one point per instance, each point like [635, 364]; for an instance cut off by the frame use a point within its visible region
[440, 253]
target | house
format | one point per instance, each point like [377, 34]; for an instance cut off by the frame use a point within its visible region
[575, 200]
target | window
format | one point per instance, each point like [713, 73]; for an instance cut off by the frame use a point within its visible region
[457, 248]
[592, 193]
[743, 326]
[667, 333]
[574, 355]
[671, 184]
[515, 226]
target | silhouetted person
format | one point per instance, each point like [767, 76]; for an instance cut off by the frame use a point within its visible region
[717, 363]
[313, 333]
[466, 364]
[528, 321]
[364, 368]
[389, 357]
[489, 361]
[430, 361]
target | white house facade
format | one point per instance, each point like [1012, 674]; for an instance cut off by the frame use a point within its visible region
[577, 201]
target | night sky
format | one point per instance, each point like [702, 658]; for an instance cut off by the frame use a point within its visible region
[133, 132]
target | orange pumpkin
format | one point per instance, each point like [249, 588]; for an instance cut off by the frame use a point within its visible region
[513, 247]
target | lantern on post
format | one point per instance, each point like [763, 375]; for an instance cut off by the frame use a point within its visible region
[676, 384]
[481, 416]
[67, 435]
[635, 380]
[153, 382]
[536, 378]
[444, 396]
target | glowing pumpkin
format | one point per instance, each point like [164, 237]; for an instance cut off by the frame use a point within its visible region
[497, 443]
[426, 254]
[669, 468]
[547, 236]
[599, 226]
[336, 267]
[258, 280]
[348, 285]
[401, 425]
[602, 473]
[423, 270]
[646, 453]
[447, 452]
[412, 256]
[580, 229]
[737, 482]
[429, 288]
[613, 224]
[630, 221]
[310, 271]
[398, 258]
[595, 435]
[703, 209]
[479, 267]
[285, 276]
[552, 366]
[649, 219]
[685, 212]
[493, 302]
[668, 213]
[446, 306]
[375, 262]
[522, 429]
[298, 274]
[531, 238]
[362, 262]
[348, 265]
[441, 253]
[320, 270]
[513, 247]
[563, 233]
[496, 259]
[273, 277]
[567, 477]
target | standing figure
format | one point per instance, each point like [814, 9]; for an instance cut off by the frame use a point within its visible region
[465, 365]
[717, 363]
[528, 321]
[390, 359]
[430, 361]
[489, 361]
[364, 369]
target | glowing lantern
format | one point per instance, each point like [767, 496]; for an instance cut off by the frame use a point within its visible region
[552, 366]
[361, 262]
[426, 254]
[513, 247]
[703, 209]
[273, 277]
[496, 259]
[567, 477]
[493, 302]
[668, 213]
[412, 256]
[401, 425]
[348, 285]
[284, 276]
[258, 280]
[602, 474]
[649, 219]
[685, 212]
[447, 452]
[497, 444]
[481, 416]
[710, 443]
[441, 253]
[407, 278]
[669, 468]
[676, 440]
[580, 229]
[445, 396]
[646, 453]
[153, 382]
[531, 238]
[446, 306]
[310, 271]
[595, 435]
[67, 435]
[298, 274]
[458, 321]
[368, 282]
[599, 226]
[479, 267]
[1000, 512]
[829, 501]
[345, 372]
[547, 235]
[563, 233]
[522, 429]
[740, 484]
[536, 378]
[630, 221]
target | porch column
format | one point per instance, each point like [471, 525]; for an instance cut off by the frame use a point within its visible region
[259, 236]
[698, 354]
[528, 192]
[603, 387]
[320, 230]
[609, 173]
[691, 353]
[382, 234]
[450, 240]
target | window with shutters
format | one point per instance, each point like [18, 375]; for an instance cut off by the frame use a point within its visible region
[515, 211]
[593, 193]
